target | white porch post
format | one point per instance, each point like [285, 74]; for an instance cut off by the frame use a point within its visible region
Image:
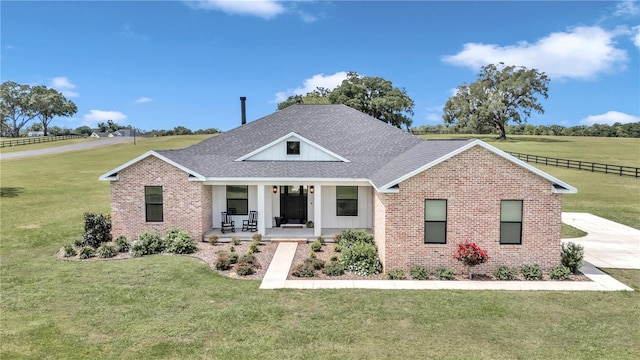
[261, 209]
[317, 210]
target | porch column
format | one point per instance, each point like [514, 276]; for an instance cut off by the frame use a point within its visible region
[317, 210]
[261, 209]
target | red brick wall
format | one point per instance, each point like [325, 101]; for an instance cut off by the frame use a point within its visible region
[186, 204]
[474, 183]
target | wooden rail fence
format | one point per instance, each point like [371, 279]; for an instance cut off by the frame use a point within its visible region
[36, 140]
[580, 165]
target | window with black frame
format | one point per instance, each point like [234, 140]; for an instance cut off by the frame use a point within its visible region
[347, 200]
[237, 199]
[511, 222]
[293, 147]
[435, 221]
[153, 203]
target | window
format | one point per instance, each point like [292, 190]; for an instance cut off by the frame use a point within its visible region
[153, 203]
[293, 147]
[435, 221]
[237, 199]
[511, 222]
[347, 200]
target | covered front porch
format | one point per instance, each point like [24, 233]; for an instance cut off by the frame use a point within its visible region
[278, 234]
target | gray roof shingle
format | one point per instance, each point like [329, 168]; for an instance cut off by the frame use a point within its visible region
[376, 150]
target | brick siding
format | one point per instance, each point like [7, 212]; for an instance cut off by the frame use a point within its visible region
[186, 204]
[473, 183]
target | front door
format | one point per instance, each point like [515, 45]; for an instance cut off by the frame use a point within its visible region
[293, 204]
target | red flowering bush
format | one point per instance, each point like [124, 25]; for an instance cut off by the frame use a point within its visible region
[471, 255]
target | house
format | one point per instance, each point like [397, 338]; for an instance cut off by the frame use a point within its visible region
[35, 133]
[100, 134]
[127, 132]
[340, 168]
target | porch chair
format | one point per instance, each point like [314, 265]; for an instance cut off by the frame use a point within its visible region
[227, 223]
[252, 223]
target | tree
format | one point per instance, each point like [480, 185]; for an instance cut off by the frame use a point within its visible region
[15, 106]
[318, 96]
[500, 94]
[181, 130]
[374, 96]
[49, 103]
[371, 95]
[84, 129]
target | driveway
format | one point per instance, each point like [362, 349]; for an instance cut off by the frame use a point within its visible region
[65, 148]
[608, 244]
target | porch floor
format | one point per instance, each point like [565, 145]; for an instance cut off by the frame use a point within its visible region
[277, 233]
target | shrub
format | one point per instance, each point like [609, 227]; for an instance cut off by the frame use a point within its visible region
[68, 250]
[333, 258]
[337, 237]
[223, 262]
[337, 248]
[560, 272]
[396, 274]
[152, 242]
[470, 255]
[302, 270]
[312, 254]
[320, 239]
[137, 249]
[361, 258]
[97, 229]
[503, 272]
[420, 272]
[213, 239]
[78, 242]
[248, 259]
[122, 244]
[232, 248]
[87, 252]
[315, 263]
[253, 248]
[531, 272]
[235, 240]
[183, 245]
[355, 236]
[244, 269]
[571, 256]
[445, 273]
[107, 251]
[333, 269]
[316, 246]
[257, 237]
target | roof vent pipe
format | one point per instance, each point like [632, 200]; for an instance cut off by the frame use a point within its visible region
[243, 109]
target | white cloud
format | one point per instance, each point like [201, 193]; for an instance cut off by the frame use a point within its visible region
[143, 100]
[262, 8]
[627, 8]
[65, 86]
[580, 53]
[610, 117]
[636, 36]
[96, 116]
[319, 80]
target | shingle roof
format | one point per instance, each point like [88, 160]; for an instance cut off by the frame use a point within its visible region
[376, 150]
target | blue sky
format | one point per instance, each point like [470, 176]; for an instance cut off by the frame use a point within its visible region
[158, 65]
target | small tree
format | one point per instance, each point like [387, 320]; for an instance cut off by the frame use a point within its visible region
[471, 255]
[97, 229]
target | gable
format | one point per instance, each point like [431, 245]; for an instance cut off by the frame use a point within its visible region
[113, 174]
[292, 147]
[556, 185]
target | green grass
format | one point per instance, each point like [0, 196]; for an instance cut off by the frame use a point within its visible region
[569, 232]
[46, 145]
[174, 307]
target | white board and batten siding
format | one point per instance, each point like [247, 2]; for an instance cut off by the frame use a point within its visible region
[278, 152]
[219, 193]
[331, 220]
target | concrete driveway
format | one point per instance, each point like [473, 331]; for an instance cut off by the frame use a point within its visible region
[608, 244]
[59, 149]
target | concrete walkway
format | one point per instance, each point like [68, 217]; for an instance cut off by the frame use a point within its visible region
[608, 244]
[278, 271]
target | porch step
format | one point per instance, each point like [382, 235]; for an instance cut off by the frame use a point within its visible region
[286, 240]
[292, 226]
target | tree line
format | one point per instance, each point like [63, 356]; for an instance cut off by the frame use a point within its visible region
[630, 130]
